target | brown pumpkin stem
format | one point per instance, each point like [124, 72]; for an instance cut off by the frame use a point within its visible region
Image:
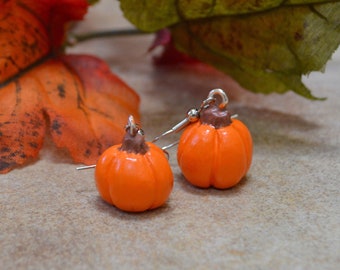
[215, 116]
[133, 141]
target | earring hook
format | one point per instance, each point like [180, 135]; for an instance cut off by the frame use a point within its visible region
[192, 116]
[219, 92]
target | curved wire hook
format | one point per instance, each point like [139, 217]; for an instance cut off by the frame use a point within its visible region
[219, 92]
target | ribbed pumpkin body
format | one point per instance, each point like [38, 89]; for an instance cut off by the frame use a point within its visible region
[134, 182]
[217, 157]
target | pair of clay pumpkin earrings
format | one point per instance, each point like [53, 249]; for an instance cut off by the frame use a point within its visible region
[215, 150]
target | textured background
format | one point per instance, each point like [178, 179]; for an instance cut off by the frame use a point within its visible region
[283, 215]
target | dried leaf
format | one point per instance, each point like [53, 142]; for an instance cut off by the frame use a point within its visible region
[265, 51]
[30, 30]
[84, 105]
[75, 97]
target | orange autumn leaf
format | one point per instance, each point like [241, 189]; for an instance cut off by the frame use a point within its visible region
[75, 97]
[30, 30]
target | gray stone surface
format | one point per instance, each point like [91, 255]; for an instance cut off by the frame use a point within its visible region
[283, 215]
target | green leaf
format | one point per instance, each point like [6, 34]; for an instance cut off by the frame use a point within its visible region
[266, 47]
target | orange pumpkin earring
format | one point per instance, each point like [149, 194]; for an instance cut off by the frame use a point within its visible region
[215, 149]
[135, 175]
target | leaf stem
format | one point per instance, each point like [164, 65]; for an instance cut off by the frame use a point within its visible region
[74, 39]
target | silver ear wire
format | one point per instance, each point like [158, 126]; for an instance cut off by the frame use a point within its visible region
[219, 92]
[86, 167]
[192, 116]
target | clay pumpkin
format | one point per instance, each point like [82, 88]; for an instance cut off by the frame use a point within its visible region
[134, 176]
[215, 151]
